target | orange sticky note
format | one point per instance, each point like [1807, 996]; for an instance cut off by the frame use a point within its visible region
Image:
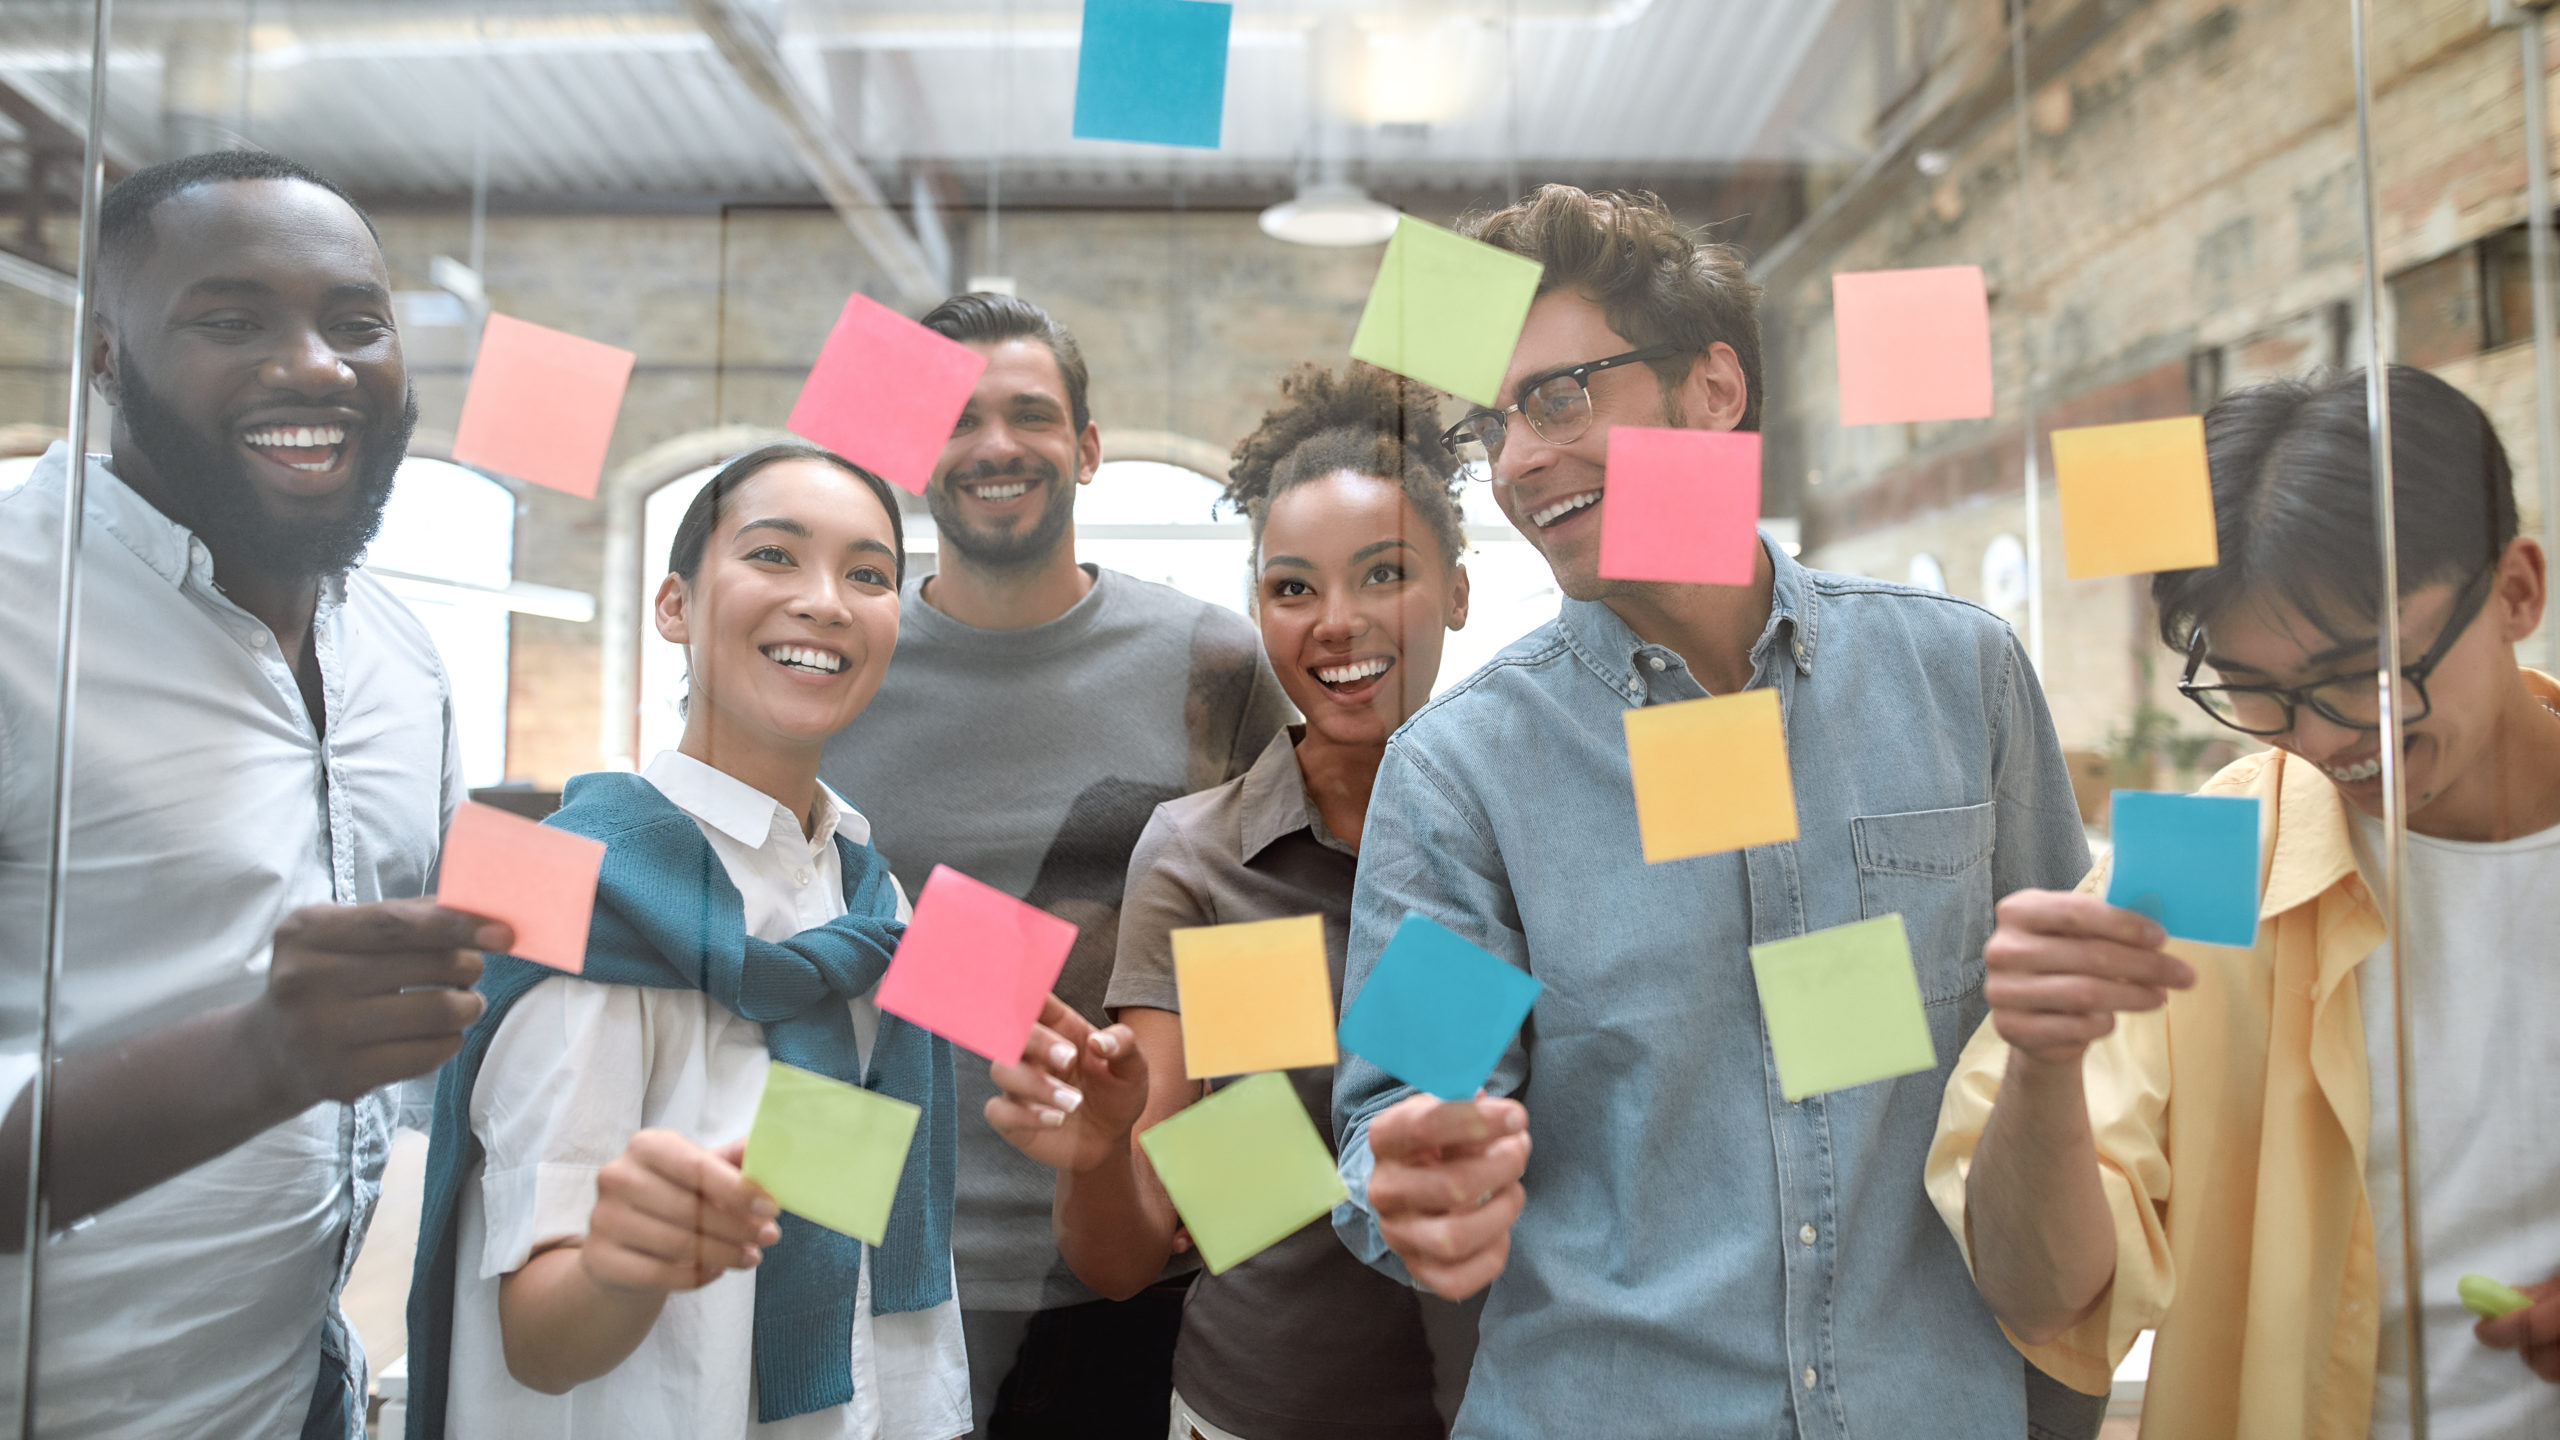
[2135, 498]
[541, 405]
[538, 878]
[1710, 775]
[1256, 996]
[1913, 344]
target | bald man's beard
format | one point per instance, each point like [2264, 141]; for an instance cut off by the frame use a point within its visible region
[209, 480]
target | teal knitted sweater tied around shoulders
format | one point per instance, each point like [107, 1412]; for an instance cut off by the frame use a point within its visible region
[668, 918]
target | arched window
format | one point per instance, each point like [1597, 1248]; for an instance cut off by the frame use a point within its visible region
[447, 548]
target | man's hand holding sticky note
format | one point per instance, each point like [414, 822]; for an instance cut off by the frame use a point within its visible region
[537, 878]
[541, 405]
[886, 393]
[2189, 862]
[1843, 1007]
[1682, 506]
[830, 1152]
[1246, 1169]
[1710, 775]
[1436, 1012]
[1446, 310]
[975, 964]
[1255, 996]
[2136, 498]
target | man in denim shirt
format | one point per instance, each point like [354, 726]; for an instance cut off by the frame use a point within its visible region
[1685, 1252]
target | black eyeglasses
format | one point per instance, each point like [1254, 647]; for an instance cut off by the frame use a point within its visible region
[2353, 699]
[1557, 405]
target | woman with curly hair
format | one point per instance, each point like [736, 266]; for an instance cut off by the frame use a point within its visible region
[1356, 541]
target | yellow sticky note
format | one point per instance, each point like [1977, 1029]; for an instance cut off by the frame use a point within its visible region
[1256, 996]
[1711, 775]
[2135, 498]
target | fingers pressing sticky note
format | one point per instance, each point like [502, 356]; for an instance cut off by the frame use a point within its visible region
[541, 405]
[1682, 506]
[885, 393]
[2187, 861]
[1842, 1006]
[1257, 996]
[1710, 775]
[538, 878]
[1153, 71]
[1437, 1012]
[830, 1152]
[1245, 1167]
[2135, 498]
[1913, 344]
[1446, 310]
[975, 965]
[2491, 1299]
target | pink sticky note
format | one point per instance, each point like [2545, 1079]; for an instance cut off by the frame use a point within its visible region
[1682, 506]
[885, 393]
[975, 965]
[1914, 345]
[541, 405]
[537, 878]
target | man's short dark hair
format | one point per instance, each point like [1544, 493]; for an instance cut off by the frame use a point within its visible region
[124, 219]
[2292, 471]
[983, 318]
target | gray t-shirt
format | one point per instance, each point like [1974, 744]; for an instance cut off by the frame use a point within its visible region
[1030, 759]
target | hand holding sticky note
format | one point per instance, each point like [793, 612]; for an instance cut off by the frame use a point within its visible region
[2187, 861]
[830, 1152]
[1710, 775]
[2136, 498]
[538, 878]
[1912, 344]
[1682, 506]
[1154, 71]
[1446, 310]
[1245, 1167]
[886, 393]
[1255, 996]
[2491, 1299]
[1436, 1012]
[975, 965]
[1843, 1007]
[541, 405]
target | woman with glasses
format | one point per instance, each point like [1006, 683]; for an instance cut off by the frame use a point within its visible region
[2150, 1134]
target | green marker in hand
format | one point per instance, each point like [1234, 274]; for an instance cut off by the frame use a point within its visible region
[2489, 1299]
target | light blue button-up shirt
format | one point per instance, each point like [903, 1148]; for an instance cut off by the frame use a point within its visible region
[1698, 1256]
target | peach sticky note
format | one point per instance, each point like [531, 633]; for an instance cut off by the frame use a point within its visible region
[1255, 996]
[885, 393]
[975, 965]
[2135, 498]
[1710, 775]
[1682, 506]
[1913, 344]
[535, 877]
[541, 405]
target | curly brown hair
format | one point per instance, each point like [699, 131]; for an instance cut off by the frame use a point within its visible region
[1365, 420]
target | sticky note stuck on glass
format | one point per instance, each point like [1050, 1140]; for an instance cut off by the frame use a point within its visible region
[1245, 1167]
[2136, 498]
[1710, 775]
[1446, 310]
[1255, 996]
[2187, 861]
[2491, 1299]
[885, 393]
[975, 965]
[537, 878]
[1843, 1007]
[1913, 344]
[1682, 506]
[1153, 71]
[541, 405]
[830, 1152]
[1437, 1012]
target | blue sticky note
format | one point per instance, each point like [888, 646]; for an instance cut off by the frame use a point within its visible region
[1437, 1011]
[1153, 70]
[2189, 862]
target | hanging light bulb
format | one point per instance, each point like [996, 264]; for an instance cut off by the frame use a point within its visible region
[1330, 213]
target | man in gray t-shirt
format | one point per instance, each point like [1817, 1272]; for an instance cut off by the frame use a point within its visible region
[1037, 712]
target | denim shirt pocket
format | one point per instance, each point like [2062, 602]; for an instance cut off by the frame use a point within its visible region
[1932, 867]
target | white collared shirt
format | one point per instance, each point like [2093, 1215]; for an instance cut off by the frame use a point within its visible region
[204, 806]
[577, 1068]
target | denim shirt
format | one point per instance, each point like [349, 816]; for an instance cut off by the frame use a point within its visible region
[1698, 1256]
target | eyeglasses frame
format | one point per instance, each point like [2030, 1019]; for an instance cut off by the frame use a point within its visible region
[1463, 431]
[2467, 605]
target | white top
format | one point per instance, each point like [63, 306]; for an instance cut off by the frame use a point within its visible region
[204, 806]
[575, 1070]
[2481, 918]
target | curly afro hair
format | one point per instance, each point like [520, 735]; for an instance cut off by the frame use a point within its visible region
[1365, 420]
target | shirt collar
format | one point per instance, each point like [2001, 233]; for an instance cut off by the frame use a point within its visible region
[739, 810]
[1274, 799]
[1614, 652]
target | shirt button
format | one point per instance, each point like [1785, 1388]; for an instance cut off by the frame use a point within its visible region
[1805, 1234]
[1808, 1377]
[801, 877]
[1657, 662]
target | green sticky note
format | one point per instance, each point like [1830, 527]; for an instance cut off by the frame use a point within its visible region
[830, 1152]
[1446, 310]
[1842, 1006]
[2490, 1299]
[1245, 1167]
